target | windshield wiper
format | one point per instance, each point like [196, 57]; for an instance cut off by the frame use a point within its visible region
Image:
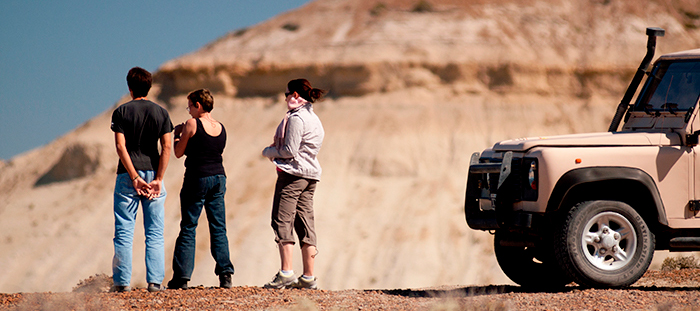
[672, 108]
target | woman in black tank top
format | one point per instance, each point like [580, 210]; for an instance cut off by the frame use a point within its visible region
[203, 140]
[204, 151]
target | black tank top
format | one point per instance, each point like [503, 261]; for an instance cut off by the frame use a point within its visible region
[203, 153]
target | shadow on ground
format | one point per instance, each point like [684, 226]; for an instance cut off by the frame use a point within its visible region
[456, 292]
[504, 289]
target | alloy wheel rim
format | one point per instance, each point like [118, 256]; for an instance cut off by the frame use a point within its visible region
[609, 241]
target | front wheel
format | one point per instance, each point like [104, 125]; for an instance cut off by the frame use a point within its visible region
[530, 267]
[604, 244]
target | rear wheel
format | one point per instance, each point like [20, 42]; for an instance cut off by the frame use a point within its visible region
[531, 267]
[604, 244]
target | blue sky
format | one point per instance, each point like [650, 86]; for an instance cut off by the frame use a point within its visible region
[64, 62]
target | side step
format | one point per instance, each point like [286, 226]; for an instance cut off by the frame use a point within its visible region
[684, 244]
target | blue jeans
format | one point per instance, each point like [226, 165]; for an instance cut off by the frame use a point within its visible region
[197, 193]
[126, 203]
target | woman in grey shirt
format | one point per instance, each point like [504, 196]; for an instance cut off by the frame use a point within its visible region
[297, 141]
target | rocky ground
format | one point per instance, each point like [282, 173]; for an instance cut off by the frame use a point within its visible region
[657, 290]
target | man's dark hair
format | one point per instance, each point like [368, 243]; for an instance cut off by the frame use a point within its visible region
[202, 96]
[139, 81]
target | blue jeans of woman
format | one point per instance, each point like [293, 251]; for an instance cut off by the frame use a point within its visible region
[126, 204]
[197, 193]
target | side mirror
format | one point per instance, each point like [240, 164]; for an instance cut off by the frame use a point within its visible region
[692, 139]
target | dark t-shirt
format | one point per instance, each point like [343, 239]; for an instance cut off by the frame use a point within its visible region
[204, 153]
[142, 122]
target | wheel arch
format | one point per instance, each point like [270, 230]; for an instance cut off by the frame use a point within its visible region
[630, 185]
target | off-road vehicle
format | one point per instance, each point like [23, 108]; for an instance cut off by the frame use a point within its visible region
[592, 208]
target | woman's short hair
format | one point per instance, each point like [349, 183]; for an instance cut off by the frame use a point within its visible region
[139, 81]
[202, 96]
[304, 89]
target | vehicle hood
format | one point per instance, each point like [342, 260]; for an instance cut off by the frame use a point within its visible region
[590, 139]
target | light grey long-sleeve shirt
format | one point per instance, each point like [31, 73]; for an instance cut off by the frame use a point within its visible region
[302, 141]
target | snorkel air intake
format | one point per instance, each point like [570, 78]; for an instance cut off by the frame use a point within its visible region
[652, 32]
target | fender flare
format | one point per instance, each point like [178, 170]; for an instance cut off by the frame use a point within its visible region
[585, 175]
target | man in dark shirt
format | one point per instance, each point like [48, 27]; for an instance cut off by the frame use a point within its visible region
[138, 126]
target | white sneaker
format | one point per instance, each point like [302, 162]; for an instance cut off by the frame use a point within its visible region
[281, 281]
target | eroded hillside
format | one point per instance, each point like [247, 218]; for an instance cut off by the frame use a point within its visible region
[360, 47]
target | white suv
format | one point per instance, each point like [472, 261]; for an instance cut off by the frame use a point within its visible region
[592, 208]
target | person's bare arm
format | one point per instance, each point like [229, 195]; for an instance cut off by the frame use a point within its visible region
[157, 183]
[188, 130]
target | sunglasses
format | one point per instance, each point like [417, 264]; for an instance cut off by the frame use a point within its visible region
[286, 94]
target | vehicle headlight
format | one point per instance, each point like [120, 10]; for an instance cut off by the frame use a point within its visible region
[529, 179]
[532, 175]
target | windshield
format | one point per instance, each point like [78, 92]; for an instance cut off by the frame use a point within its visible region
[672, 86]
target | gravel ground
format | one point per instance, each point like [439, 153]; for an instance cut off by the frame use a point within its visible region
[675, 290]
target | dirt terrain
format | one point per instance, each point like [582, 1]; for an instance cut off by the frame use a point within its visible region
[657, 290]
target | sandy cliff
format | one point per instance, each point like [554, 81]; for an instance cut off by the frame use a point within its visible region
[415, 88]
